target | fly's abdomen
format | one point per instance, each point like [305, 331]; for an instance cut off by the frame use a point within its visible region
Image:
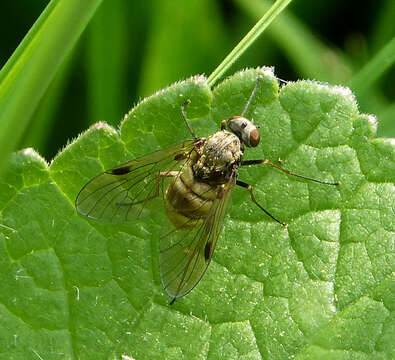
[188, 200]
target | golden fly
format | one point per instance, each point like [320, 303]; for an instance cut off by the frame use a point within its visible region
[194, 181]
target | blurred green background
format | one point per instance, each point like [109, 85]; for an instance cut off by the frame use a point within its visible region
[133, 48]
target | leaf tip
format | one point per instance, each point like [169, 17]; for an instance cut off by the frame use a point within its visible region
[264, 71]
[372, 119]
[30, 152]
[103, 125]
[196, 79]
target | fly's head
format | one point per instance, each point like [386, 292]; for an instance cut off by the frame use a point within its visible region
[245, 130]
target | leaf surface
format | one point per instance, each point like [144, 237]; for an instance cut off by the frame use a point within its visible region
[320, 288]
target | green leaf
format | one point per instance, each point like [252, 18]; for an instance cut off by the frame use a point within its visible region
[320, 288]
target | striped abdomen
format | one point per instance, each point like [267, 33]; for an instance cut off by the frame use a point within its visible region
[188, 200]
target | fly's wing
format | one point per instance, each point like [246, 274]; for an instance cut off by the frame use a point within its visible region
[186, 254]
[124, 192]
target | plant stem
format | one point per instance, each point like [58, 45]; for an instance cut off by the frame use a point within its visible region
[245, 43]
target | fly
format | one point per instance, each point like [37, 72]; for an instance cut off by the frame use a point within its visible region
[193, 181]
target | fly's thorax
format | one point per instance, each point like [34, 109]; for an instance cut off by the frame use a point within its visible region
[221, 153]
[188, 200]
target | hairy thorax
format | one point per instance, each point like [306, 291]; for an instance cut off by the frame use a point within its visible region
[190, 195]
[220, 154]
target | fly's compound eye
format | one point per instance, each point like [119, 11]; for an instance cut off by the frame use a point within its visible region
[255, 137]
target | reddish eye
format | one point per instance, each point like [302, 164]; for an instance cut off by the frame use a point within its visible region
[254, 138]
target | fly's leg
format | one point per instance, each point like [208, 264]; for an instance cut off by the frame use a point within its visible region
[172, 301]
[249, 188]
[164, 174]
[160, 176]
[268, 162]
[258, 80]
[187, 102]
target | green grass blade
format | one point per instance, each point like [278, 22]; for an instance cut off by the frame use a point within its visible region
[44, 119]
[249, 39]
[310, 56]
[193, 42]
[28, 73]
[376, 67]
[385, 27]
[107, 63]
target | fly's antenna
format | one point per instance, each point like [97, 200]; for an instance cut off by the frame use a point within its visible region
[252, 95]
[282, 81]
[187, 102]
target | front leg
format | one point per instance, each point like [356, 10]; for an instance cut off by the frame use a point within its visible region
[268, 162]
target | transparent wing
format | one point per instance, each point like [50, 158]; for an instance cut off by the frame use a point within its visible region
[125, 192]
[186, 254]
